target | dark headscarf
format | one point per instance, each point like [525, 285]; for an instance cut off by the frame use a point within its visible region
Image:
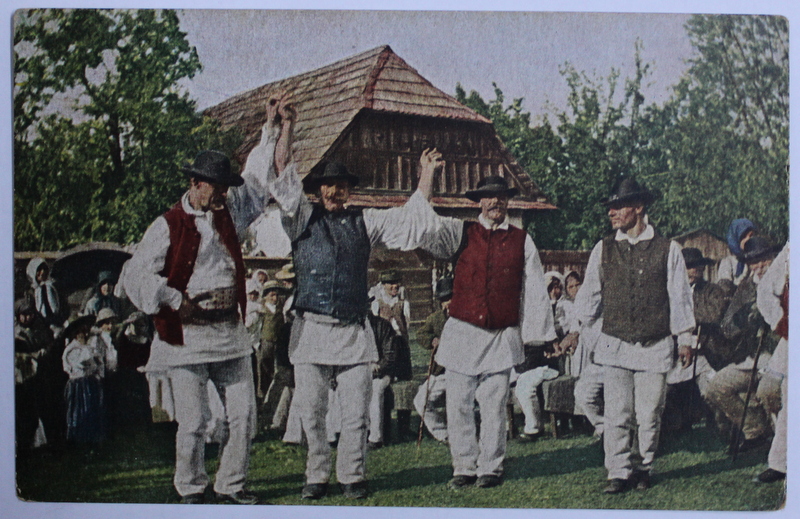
[736, 231]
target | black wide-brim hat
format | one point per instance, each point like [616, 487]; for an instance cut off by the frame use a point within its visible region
[327, 173]
[77, 324]
[213, 166]
[490, 187]
[694, 258]
[627, 191]
[758, 248]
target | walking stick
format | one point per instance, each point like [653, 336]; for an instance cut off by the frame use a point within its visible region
[753, 374]
[694, 364]
[427, 395]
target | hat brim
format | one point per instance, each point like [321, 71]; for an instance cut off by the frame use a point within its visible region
[646, 198]
[757, 256]
[230, 181]
[700, 263]
[311, 184]
[476, 194]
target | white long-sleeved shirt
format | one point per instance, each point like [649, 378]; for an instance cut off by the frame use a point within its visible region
[214, 269]
[320, 339]
[610, 350]
[471, 350]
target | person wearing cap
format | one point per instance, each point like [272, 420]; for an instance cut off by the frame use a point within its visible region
[390, 302]
[636, 282]
[188, 273]
[331, 246]
[499, 303]
[430, 398]
[772, 299]
[745, 330]
[103, 296]
[270, 334]
[684, 382]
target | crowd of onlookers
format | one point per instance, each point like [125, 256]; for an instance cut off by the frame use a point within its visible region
[78, 378]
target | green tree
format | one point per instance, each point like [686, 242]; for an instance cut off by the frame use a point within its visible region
[720, 145]
[101, 123]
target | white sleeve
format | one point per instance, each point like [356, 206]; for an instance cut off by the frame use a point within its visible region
[536, 319]
[770, 288]
[589, 300]
[248, 201]
[414, 225]
[144, 285]
[287, 190]
[681, 301]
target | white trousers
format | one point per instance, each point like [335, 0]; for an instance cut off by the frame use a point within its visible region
[776, 459]
[353, 388]
[433, 389]
[376, 408]
[527, 393]
[473, 456]
[234, 381]
[589, 396]
[634, 401]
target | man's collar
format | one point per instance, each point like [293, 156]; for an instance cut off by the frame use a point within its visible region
[648, 234]
[188, 207]
[488, 224]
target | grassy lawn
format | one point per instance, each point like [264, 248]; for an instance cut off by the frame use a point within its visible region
[693, 473]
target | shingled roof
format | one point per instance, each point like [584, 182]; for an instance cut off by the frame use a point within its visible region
[328, 99]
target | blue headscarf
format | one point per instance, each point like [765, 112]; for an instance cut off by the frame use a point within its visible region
[736, 231]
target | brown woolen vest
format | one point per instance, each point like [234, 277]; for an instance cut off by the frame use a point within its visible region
[184, 242]
[488, 277]
[634, 288]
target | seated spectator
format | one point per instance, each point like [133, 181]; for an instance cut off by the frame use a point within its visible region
[685, 383]
[430, 399]
[743, 326]
[732, 269]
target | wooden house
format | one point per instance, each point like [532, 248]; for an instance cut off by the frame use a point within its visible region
[376, 114]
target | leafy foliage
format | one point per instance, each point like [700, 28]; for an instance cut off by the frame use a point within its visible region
[716, 151]
[101, 123]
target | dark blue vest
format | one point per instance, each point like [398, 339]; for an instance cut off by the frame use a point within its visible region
[330, 261]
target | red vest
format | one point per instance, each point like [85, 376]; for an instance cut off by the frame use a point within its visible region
[488, 279]
[184, 242]
[782, 328]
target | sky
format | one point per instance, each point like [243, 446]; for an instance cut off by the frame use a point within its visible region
[521, 52]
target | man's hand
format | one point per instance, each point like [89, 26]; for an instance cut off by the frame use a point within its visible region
[569, 343]
[686, 355]
[429, 164]
[282, 113]
[435, 343]
[186, 310]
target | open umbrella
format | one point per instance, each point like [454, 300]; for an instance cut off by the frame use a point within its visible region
[78, 267]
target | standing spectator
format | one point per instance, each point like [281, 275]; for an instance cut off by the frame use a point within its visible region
[45, 295]
[286, 276]
[772, 300]
[271, 333]
[85, 365]
[743, 327]
[331, 248]
[103, 296]
[636, 281]
[732, 268]
[499, 303]
[189, 273]
[33, 351]
[390, 302]
[430, 399]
